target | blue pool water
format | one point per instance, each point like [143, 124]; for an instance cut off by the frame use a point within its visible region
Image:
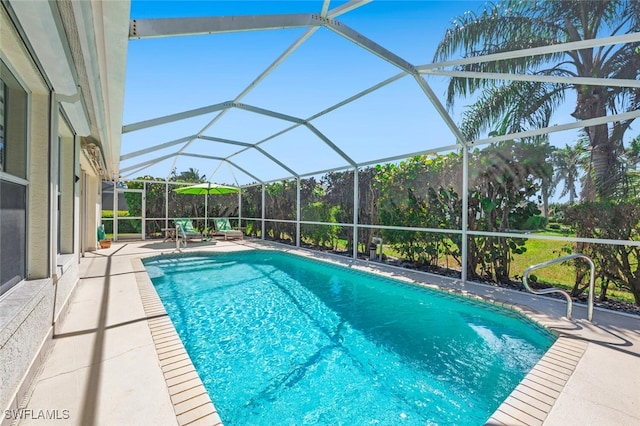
[282, 340]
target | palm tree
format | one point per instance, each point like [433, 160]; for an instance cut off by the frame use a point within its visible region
[513, 25]
[568, 162]
[541, 154]
[191, 175]
[633, 153]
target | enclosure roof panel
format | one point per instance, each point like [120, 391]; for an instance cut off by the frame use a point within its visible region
[278, 90]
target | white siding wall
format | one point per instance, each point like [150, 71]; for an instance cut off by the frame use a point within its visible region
[29, 310]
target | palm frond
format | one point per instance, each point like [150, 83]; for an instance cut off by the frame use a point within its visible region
[519, 106]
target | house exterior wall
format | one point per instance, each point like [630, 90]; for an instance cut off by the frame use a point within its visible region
[54, 238]
[26, 310]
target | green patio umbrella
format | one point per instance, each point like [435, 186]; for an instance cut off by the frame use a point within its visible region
[206, 189]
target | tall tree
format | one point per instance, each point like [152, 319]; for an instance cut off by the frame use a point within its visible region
[514, 25]
[633, 153]
[191, 175]
[567, 165]
[538, 159]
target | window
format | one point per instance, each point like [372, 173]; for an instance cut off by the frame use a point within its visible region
[1, 125]
[13, 107]
[13, 183]
[13, 201]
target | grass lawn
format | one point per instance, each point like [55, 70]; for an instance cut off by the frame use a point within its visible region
[539, 251]
[561, 275]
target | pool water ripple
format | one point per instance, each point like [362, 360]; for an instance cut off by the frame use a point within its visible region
[278, 339]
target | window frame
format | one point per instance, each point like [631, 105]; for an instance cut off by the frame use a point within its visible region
[10, 177]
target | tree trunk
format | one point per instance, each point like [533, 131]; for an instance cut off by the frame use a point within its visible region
[590, 104]
[605, 167]
[634, 285]
[545, 203]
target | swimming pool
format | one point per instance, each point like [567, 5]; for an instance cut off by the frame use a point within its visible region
[281, 339]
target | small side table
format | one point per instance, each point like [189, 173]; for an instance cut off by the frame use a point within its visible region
[169, 234]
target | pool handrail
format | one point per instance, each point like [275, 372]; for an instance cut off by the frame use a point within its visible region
[557, 290]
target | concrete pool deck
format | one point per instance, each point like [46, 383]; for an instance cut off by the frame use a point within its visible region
[116, 359]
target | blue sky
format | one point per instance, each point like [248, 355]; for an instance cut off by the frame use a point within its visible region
[171, 75]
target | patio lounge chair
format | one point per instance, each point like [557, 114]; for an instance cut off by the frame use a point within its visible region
[223, 227]
[186, 231]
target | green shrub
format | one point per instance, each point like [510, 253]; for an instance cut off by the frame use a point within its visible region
[128, 226]
[109, 213]
[535, 222]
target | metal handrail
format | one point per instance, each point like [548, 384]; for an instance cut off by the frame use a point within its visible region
[557, 290]
[181, 237]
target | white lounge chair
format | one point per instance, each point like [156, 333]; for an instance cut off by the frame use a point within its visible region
[222, 226]
[186, 231]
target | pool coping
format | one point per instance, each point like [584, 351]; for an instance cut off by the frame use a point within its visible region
[532, 400]
[528, 404]
[191, 401]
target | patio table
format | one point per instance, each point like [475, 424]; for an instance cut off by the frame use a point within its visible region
[169, 234]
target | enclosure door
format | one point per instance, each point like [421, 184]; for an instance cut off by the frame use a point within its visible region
[130, 223]
[117, 217]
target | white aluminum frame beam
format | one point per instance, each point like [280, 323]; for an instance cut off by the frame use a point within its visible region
[268, 113]
[145, 164]
[175, 117]
[406, 66]
[400, 157]
[367, 44]
[357, 96]
[336, 106]
[325, 8]
[275, 160]
[453, 127]
[227, 105]
[353, 4]
[172, 27]
[347, 7]
[529, 133]
[264, 74]
[590, 81]
[207, 157]
[132, 172]
[222, 159]
[326, 19]
[561, 127]
[249, 146]
[210, 138]
[156, 148]
[221, 140]
[543, 50]
[300, 121]
[331, 145]
[148, 162]
[146, 28]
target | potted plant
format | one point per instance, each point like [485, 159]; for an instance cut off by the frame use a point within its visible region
[102, 238]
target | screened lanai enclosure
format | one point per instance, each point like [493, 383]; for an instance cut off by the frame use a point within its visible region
[433, 135]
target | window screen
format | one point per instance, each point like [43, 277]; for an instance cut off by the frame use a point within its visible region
[13, 204]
